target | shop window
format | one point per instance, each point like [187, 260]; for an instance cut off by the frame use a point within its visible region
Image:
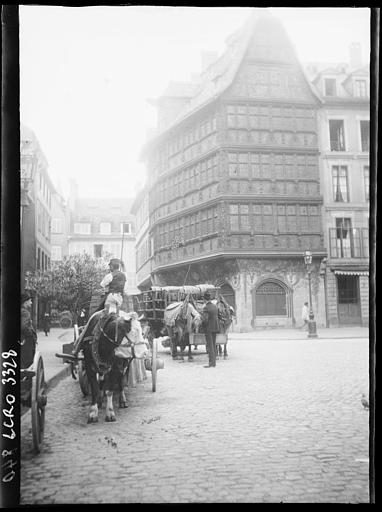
[270, 300]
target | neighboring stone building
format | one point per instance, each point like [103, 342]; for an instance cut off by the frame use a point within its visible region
[143, 250]
[37, 191]
[102, 227]
[59, 228]
[234, 181]
[344, 144]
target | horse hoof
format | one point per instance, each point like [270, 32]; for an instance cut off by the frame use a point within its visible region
[225, 357]
[92, 420]
[190, 358]
[110, 418]
[123, 405]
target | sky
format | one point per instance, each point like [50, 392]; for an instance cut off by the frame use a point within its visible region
[86, 74]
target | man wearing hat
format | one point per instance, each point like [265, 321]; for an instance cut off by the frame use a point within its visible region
[28, 336]
[211, 327]
[114, 285]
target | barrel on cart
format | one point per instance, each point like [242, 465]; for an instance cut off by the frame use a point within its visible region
[151, 306]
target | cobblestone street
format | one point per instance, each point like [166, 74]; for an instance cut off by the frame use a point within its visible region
[278, 421]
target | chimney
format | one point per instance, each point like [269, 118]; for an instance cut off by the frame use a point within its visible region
[355, 55]
[207, 59]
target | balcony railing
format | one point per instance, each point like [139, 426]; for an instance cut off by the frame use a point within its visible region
[349, 242]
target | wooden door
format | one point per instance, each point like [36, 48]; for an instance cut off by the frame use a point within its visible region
[349, 307]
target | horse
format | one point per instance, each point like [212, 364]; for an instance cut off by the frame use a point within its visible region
[180, 319]
[102, 335]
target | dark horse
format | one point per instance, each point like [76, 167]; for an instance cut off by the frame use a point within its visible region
[180, 319]
[102, 335]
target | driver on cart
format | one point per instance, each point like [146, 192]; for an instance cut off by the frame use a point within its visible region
[28, 335]
[114, 284]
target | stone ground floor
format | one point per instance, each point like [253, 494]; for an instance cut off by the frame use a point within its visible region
[270, 292]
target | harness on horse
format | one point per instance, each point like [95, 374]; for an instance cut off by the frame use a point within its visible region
[102, 367]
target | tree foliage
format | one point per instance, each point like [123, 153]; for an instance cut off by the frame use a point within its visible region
[70, 283]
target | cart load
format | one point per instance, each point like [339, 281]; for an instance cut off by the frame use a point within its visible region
[167, 308]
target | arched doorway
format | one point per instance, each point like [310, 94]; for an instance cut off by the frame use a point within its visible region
[271, 304]
[227, 291]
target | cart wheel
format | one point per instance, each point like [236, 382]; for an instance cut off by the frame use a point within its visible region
[154, 352]
[83, 378]
[38, 402]
[65, 322]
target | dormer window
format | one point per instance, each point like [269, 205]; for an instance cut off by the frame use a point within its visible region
[330, 87]
[360, 89]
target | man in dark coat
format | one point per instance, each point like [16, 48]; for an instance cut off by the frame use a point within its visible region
[28, 334]
[211, 327]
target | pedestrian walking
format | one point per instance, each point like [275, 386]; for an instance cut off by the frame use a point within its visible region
[46, 323]
[28, 335]
[305, 315]
[211, 328]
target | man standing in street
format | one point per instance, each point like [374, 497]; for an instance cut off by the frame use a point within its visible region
[28, 333]
[211, 327]
[305, 315]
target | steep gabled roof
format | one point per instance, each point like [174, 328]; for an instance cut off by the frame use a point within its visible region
[220, 75]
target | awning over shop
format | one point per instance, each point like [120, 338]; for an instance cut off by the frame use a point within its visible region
[351, 272]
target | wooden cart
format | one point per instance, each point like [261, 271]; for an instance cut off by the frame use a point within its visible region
[34, 396]
[152, 304]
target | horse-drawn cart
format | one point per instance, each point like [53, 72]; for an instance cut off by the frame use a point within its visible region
[177, 309]
[108, 354]
[33, 396]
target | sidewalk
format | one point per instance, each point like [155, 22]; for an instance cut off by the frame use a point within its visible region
[55, 369]
[298, 334]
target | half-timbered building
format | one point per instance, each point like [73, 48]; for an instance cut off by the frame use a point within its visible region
[234, 183]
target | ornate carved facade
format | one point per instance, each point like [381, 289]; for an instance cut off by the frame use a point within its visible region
[235, 186]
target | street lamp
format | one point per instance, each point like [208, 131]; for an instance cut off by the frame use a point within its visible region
[312, 332]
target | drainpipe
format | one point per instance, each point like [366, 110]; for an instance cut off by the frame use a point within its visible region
[323, 271]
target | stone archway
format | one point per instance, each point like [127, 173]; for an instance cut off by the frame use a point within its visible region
[272, 304]
[228, 293]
